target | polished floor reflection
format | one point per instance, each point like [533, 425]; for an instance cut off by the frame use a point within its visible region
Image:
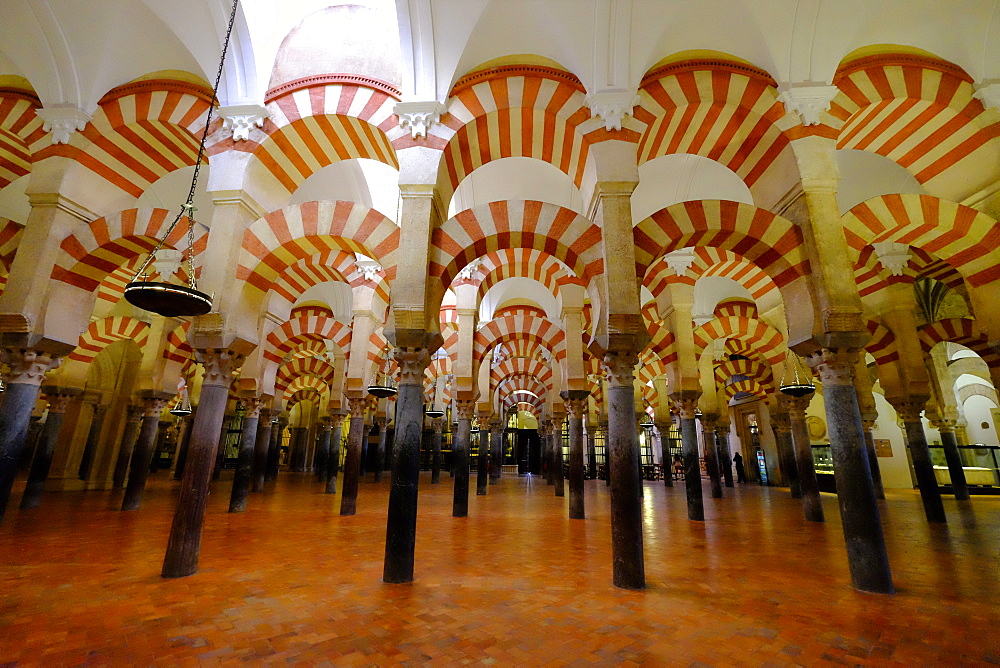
[515, 583]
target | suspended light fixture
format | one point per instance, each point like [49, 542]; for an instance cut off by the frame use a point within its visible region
[801, 384]
[385, 387]
[169, 299]
[432, 412]
[182, 409]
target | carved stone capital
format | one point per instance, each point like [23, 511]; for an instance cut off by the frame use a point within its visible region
[946, 426]
[557, 423]
[369, 269]
[465, 410]
[781, 423]
[834, 367]
[680, 260]
[134, 413]
[576, 408]
[62, 121]
[809, 101]
[27, 366]
[686, 407]
[412, 363]
[795, 407]
[418, 117]
[264, 415]
[620, 368]
[58, 402]
[153, 406]
[612, 107]
[495, 424]
[909, 409]
[893, 256]
[219, 365]
[253, 406]
[358, 406]
[989, 95]
[241, 118]
[437, 424]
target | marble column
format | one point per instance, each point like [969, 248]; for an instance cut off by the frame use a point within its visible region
[380, 455]
[182, 448]
[352, 465]
[576, 409]
[711, 454]
[323, 450]
[262, 444]
[401, 523]
[496, 456]
[591, 454]
[220, 450]
[795, 408]
[133, 416]
[437, 424]
[548, 453]
[58, 398]
[687, 407]
[274, 450]
[625, 476]
[153, 404]
[722, 445]
[782, 426]
[244, 460]
[184, 545]
[558, 476]
[909, 412]
[607, 455]
[333, 464]
[868, 423]
[859, 513]
[464, 410]
[483, 458]
[93, 435]
[668, 464]
[959, 486]
[27, 368]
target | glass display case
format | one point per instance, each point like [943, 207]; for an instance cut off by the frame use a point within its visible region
[823, 463]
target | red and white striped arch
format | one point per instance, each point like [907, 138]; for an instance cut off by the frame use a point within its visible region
[21, 134]
[882, 344]
[917, 111]
[522, 366]
[554, 230]
[515, 348]
[177, 347]
[521, 325]
[964, 238]
[279, 240]
[330, 265]
[532, 112]
[650, 367]
[302, 367]
[749, 385]
[871, 276]
[736, 306]
[763, 339]
[748, 367]
[521, 382]
[518, 263]
[772, 243]
[727, 112]
[95, 250]
[712, 262]
[309, 327]
[101, 333]
[962, 331]
[10, 237]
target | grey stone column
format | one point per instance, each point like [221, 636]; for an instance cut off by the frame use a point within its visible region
[401, 523]
[437, 424]
[483, 458]
[795, 408]
[558, 475]
[244, 460]
[185, 442]
[668, 464]
[352, 465]
[323, 450]
[782, 426]
[380, 455]
[591, 453]
[464, 410]
[624, 474]
[607, 455]
[959, 486]
[496, 455]
[725, 457]
[93, 435]
[859, 514]
[576, 409]
[58, 398]
[868, 423]
[133, 416]
[262, 444]
[686, 407]
[711, 453]
[153, 404]
[909, 411]
[274, 450]
[27, 368]
[548, 453]
[333, 464]
[184, 545]
[220, 451]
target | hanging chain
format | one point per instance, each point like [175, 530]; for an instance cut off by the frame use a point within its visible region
[188, 207]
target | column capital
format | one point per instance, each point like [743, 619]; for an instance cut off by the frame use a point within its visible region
[437, 424]
[253, 407]
[27, 366]
[620, 368]
[264, 415]
[808, 101]
[62, 120]
[153, 406]
[242, 118]
[133, 412]
[781, 422]
[686, 404]
[59, 397]
[909, 409]
[412, 362]
[556, 421]
[709, 420]
[219, 365]
[357, 406]
[796, 406]
[466, 410]
[835, 366]
[418, 117]
[612, 107]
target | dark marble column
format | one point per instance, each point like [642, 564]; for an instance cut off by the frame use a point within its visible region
[220, 451]
[27, 368]
[607, 456]
[244, 460]
[909, 411]
[626, 478]
[93, 435]
[184, 545]
[185, 442]
[782, 427]
[401, 523]
[323, 450]
[859, 514]
[558, 474]
[58, 398]
[297, 450]
[352, 465]
[959, 486]
[687, 407]
[262, 444]
[576, 409]
[722, 445]
[868, 423]
[711, 453]
[333, 464]
[483, 457]
[464, 411]
[591, 453]
[153, 404]
[496, 456]
[668, 464]
[133, 416]
[380, 458]
[795, 408]
[548, 450]
[274, 450]
[437, 425]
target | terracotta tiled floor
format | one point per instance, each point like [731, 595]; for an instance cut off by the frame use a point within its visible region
[516, 583]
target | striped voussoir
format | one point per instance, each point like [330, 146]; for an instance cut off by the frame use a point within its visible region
[750, 386]
[962, 331]
[524, 367]
[280, 239]
[882, 344]
[748, 367]
[966, 237]
[729, 115]
[713, 262]
[329, 265]
[770, 242]
[515, 348]
[21, 133]
[519, 325]
[740, 347]
[525, 224]
[10, 237]
[104, 332]
[177, 347]
[762, 338]
[520, 263]
[301, 367]
[736, 306]
[651, 366]
[312, 326]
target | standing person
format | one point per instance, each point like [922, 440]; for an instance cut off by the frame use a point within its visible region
[741, 475]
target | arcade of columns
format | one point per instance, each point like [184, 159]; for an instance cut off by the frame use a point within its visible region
[839, 289]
